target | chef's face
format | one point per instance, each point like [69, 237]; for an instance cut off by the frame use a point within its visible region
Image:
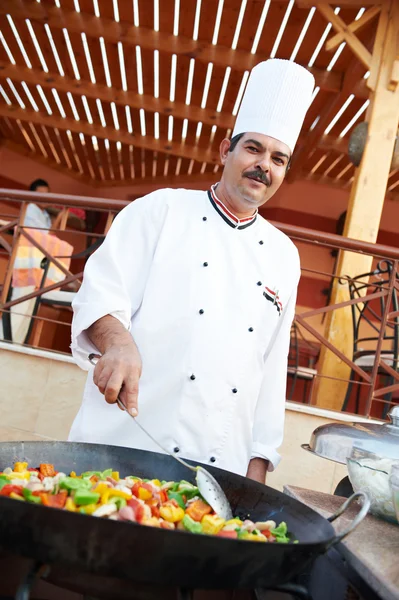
[254, 169]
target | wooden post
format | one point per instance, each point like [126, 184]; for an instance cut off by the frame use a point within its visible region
[365, 204]
[11, 260]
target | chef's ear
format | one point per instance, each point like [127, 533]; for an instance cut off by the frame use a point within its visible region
[224, 150]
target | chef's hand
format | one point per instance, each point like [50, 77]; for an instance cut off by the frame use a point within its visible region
[118, 370]
[117, 373]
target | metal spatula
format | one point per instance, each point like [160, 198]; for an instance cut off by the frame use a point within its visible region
[209, 488]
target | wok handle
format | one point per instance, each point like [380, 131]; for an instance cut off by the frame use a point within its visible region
[356, 521]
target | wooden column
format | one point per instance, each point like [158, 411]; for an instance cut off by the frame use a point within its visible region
[366, 200]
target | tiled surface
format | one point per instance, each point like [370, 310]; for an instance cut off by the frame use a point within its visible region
[61, 400]
[23, 381]
[13, 434]
[40, 398]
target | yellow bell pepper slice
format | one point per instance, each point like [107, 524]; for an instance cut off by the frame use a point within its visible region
[101, 488]
[111, 493]
[237, 522]
[115, 475]
[18, 475]
[70, 505]
[88, 509]
[16, 496]
[253, 537]
[156, 482]
[144, 494]
[212, 524]
[171, 513]
[20, 467]
[119, 494]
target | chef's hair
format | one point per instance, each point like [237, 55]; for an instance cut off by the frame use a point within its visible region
[234, 141]
[38, 183]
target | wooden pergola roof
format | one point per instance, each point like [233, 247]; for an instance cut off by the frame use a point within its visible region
[121, 91]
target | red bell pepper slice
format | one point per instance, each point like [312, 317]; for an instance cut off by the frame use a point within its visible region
[47, 470]
[54, 500]
[138, 509]
[9, 489]
[228, 534]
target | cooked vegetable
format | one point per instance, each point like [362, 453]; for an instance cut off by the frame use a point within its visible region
[105, 494]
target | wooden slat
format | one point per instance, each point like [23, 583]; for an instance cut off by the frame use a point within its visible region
[340, 26]
[331, 108]
[142, 142]
[26, 40]
[126, 162]
[146, 38]
[36, 157]
[368, 16]
[80, 152]
[68, 149]
[91, 155]
[103, 159]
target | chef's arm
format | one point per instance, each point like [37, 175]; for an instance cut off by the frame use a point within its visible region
[118, 371]
[257, 469]
[114, 281]
[268, 428]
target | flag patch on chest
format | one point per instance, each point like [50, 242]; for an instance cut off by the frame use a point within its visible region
[274, 298]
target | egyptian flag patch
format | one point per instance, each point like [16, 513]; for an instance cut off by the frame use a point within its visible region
[274, 298]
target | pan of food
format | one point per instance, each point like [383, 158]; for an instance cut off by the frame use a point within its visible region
[132, 515]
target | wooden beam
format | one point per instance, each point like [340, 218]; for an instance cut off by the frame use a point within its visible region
[103, 92]
[364, 210]
[114, 32]
[144, 185]
[368, 16]
[332, 106]
[175, 148]
[24, 151]
[341, 27]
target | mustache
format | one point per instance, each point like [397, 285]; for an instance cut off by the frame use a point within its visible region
[260, 175]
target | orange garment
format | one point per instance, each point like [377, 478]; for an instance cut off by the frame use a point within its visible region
[27, 270]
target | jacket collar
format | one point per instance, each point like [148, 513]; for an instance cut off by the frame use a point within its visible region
[226, 214]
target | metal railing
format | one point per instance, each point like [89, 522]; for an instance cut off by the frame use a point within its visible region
[14, 204]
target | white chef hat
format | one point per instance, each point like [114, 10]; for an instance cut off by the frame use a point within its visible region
[275, 101]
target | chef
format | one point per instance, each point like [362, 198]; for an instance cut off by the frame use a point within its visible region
[189, 301]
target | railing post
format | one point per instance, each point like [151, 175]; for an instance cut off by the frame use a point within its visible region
[384, 321]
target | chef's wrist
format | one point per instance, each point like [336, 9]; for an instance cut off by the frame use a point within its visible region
[109, 334]
[257, 469]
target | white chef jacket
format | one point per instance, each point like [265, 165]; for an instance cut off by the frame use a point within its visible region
[209, 301]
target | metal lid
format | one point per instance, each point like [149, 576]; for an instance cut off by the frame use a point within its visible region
[336, 440]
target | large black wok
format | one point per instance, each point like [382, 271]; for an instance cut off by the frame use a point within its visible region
[142, 554]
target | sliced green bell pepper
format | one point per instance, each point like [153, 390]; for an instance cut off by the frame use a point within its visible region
[188, 489]
[120, 502]
[29, 497]
[178, 497]
[102, 475]
[74, 483]
[191, 525]
[280, 533]
[83, 497]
